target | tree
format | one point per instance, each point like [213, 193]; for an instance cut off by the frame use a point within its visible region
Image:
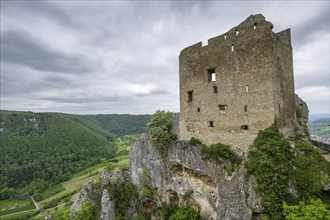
[313, 209]
[159, 128]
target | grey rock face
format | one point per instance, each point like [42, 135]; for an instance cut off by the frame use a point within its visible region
[180, 174]
[301, 118]
[86, 194]
[92, 194]
[107, 207]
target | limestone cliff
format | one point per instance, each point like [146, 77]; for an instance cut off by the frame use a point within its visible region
[180, 174]
[301, 119]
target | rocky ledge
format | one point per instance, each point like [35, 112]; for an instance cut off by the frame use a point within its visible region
[182, 175]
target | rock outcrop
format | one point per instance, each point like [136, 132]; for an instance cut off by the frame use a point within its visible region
[95, 193]
[301, 124]
[180, 174]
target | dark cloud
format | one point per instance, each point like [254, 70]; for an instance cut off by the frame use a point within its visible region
[20, 48]
[311, 29]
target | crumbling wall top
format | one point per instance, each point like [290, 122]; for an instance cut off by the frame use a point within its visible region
[252, 25]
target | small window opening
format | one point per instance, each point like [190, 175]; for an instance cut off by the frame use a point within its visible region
[215, 89]
[232, 47]
[255, 26]
[198, 110]
[245, 127]
[246, 88]
[245, 108]
[237, 32]
[279, 108]
[222, 107]
[225, 36]
[211, 124]
[211, 75]
[190, 96]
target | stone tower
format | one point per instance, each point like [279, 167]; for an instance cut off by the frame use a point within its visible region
[237, 85]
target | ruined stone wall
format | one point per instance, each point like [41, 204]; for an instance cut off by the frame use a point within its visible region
[253, 85]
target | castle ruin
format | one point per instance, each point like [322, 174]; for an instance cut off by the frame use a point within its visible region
[237, 85]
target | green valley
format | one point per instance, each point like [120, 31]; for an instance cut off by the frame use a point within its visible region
[49, 156]
[320, 127]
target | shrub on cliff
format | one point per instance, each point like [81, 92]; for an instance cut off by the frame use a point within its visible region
[159, 128]
[278, 168]
[269, 160]
[307, 210]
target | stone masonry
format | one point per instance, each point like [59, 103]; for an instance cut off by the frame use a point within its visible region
[237, 85]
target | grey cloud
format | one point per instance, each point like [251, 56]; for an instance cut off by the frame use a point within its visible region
[40, 10]
[122, 44]
[20, 48]
[312, 29]
[312, 79]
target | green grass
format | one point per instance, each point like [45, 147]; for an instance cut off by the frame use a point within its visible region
[72, 185]
[123, 161]
[20, 216]
[88, 170]
[14, 203]
[17, 205]
[19, 209]
[52, 191]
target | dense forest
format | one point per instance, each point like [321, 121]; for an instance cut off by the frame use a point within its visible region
[41, 149]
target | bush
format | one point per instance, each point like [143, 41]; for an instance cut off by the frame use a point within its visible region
[159, 128]
[185, 213]
[274, 166]
[310, 171]
[107, 164]
[312, 209]
[85, 213]
[172, 211]
[125, 195]
[167, 210]
[195, 141]
[268, 161]
[218, 152]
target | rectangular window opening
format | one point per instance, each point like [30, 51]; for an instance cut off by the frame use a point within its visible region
[245, 108]
[198, 110]
[190, 96]
[211, 124]
[246, 88]
[222, 108]
[215, 89]
[244, 127]
[232, 47]
[211, 75]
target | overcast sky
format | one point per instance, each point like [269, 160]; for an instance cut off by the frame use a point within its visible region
[93, 57]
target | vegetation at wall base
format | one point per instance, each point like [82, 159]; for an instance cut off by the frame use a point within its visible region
[159, 128]
[278, 168]
[172, 211]
[195, 141]
[221, 153]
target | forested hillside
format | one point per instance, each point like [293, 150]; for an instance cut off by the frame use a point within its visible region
[121, 124]
[41, 149]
